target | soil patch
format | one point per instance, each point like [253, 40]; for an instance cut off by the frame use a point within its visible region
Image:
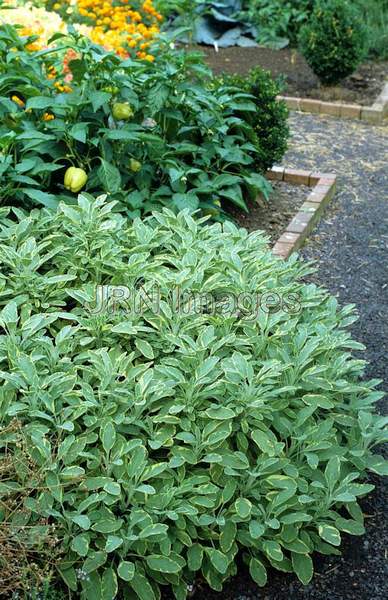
[297, 78]
[274, 215]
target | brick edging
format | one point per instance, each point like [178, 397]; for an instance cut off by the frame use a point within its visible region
[371, 114]
[324, 187]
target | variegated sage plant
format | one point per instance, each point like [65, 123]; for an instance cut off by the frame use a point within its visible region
[159, 443]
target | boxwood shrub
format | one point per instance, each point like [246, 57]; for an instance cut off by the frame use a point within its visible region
[269, 120]
[209, 406]
[334, 41]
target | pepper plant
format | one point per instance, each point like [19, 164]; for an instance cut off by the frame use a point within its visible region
[192, 147]
[153, 436]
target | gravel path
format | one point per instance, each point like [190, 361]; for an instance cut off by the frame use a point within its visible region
[351, 241]
[351, 247]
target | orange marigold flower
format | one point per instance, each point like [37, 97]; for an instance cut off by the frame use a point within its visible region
[18, 101]
[116, 23]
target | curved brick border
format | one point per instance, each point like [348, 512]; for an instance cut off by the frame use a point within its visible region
[371, 114]
[324, 187]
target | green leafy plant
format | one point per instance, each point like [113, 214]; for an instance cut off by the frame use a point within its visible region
[191, 146]
[207, 22]
[269, 120]
[164, 434]
[334, 40]
[375, 17]
[185, 15]
[277, 21]
[27, 554]
[274, 23]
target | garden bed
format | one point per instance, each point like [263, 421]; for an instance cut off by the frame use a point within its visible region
[362, 87]
[291, 214]
[288, 219]
[274, 215]
[356, 575]
[350, 247]
[191, 417]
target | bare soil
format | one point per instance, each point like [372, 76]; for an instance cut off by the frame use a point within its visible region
[274, 215]
[296, 77]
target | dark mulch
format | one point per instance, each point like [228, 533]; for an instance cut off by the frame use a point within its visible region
[274, 215]
[362, 88]
[350, 246]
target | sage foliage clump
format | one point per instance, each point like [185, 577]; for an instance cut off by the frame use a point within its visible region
[151, 443]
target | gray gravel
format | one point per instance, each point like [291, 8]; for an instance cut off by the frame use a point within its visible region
[351, 242]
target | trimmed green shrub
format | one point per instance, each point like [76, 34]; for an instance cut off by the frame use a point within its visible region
[269, 120]
[212, 409]
[334, 40]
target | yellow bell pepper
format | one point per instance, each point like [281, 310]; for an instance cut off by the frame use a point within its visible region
[134, 165]
[122, 111]
[75, 179]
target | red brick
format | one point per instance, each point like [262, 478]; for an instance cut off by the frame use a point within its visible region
[317, 196]
[297, 176]
[311, 106]
[327, 190]
[276, 174]
[291, 102]
[327, 179]
[372, 115]
[331, 176]
[300, 223]
[317, 177]
[314, 178]
[331, 108]
[350, 111]
[381, 102]
[288, 238]
[282, 250]
[309, 206]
